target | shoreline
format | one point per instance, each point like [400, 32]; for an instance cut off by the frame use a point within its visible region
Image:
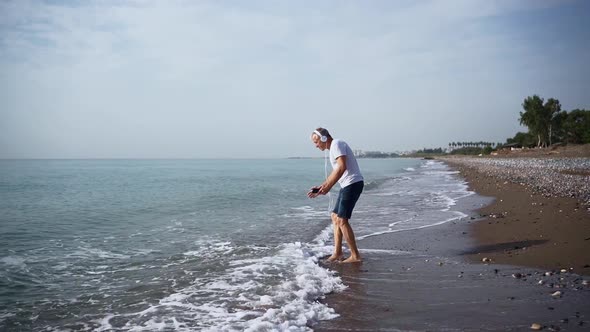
[434, 279]
[524, 227]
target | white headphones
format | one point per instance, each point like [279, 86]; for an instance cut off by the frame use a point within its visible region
[323, 138]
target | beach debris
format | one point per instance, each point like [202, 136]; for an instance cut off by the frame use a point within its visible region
[541, 282]
[536, 326]
[547, 274]
[517, 275]
[556, 294]
[486, 260]
[563, 271]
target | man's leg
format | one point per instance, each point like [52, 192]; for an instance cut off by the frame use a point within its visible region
[348, 234]
[337, 239]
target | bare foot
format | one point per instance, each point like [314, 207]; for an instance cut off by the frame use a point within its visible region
[334, 258]
[351, 260]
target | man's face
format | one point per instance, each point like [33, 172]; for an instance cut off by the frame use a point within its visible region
[317, 142]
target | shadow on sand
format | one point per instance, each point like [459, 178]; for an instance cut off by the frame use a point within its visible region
[499, 247]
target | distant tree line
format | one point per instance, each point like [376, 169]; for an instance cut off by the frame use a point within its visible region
[473, 148]
[547, 124]
[473, 144]
[427, 152]
[435, 151]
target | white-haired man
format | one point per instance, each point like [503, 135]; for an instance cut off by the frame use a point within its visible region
[346, 172]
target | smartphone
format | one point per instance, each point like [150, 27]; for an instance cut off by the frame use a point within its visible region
[315, 190]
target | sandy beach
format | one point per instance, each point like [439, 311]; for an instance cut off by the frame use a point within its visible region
[535, 243]
[534, 220]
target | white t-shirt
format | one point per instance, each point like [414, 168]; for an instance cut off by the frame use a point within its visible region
[352, 174]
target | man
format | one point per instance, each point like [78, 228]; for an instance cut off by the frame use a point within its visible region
[347, 173]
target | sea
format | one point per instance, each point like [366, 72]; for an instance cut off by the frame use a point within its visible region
[192, 245]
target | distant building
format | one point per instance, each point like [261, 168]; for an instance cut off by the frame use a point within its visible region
[374, 154]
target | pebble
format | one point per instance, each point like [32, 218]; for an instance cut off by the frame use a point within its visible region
[544, 176]
[486, 260]
[556, 294]
[536, 326]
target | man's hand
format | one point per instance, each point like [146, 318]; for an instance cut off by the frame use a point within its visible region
[315, 192]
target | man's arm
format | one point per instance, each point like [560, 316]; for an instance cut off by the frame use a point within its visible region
[335, 175]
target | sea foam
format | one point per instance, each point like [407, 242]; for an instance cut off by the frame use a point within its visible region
[274, 292]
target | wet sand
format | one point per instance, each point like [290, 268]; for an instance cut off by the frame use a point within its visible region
[434, 279]
[527, 228]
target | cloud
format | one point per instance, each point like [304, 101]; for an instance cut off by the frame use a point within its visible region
[185, 79]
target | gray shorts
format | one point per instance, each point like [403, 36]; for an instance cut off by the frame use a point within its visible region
[347, 199]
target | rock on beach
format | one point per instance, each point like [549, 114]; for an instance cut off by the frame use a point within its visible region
[555, 177]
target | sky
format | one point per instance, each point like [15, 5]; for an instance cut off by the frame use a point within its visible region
[253, 79]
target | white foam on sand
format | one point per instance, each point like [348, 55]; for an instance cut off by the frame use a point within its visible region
[275, 292]
[459, 215]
